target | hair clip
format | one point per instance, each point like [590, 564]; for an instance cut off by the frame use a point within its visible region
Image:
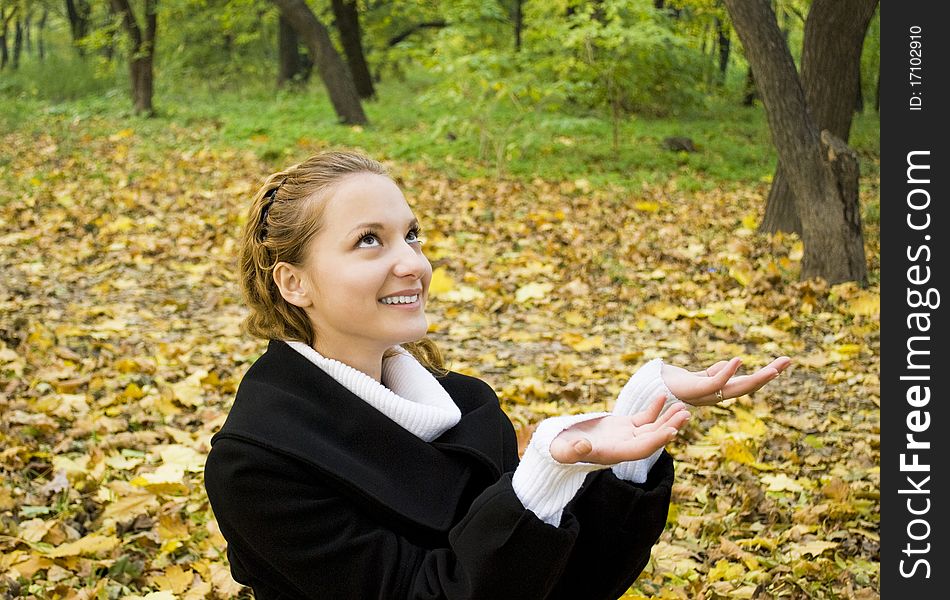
[269, 201]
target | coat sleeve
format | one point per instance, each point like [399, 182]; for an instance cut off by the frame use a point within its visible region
[620, 521]
[289, 536]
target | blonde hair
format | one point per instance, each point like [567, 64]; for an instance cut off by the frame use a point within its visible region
[286, 214]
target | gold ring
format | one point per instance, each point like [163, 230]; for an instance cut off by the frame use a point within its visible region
[718, 395]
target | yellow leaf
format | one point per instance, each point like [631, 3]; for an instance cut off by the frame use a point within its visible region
[223, 584]
[575, 318]
[646, 206]
[814, 547]
[865, 304]
[750, 221]
[723, 319]
[758, 542]
[749, 424]
[743, 276]
[784, 322]
[163, 595]
[126, 365]
[797, 251]
[736, 451]
[34, 530]
[171, 527]
[464, 293]
[27, 568]
[845, 351]
[762, 333]
[581, 343]
[632, 356]
[725, 571]
[183, 457]
[133, 391]
[533, 291]
[174, 579]
[6, 499]
[199, 591]
[781, 483]
[668, 312]
[89, 545]
[168, 479]
[188, 391]
[441, 282]
[123, 463]
[130, 506]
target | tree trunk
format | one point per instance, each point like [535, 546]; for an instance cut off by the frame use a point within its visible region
[348, 24]
[27, 32]
[822, 171]
[78, 12]
[288, 53]
[722, 33]
[831, 68]
[859, 97]
[141, 52]
[17, 43]
[750, 93]
[518, 19]
[335, 76]
[40, 36]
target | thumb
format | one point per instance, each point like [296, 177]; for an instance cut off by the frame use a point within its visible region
[569, 451]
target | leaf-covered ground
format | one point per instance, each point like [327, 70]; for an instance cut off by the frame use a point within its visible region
[120, 353]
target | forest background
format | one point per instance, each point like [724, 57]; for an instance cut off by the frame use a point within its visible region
[592, 180]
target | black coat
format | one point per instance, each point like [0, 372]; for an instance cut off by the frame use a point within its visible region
[319, 495]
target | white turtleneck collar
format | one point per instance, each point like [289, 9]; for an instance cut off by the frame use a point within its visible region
[411, 396]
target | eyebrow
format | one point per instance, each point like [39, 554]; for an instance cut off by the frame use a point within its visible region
[413, 223]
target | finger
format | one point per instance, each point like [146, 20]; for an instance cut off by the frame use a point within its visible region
[780, 363]
[713, 369]
[747, 384]
[651, 412]
[668, 414]
[704, 390]
[636, 448]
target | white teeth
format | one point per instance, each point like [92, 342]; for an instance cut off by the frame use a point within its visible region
[400, 299]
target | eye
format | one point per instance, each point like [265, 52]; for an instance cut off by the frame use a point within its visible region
[413, 236]
[367, 238]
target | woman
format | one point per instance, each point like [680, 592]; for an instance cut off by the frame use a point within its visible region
[353, 466]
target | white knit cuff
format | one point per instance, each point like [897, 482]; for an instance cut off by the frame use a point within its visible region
[543, 484]
[645, 385]
[636, 471]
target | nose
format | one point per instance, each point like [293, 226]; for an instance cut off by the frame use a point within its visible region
[411, 262]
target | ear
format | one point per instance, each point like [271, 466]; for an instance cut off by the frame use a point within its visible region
[293, 289]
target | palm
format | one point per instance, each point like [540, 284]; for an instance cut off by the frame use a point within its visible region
[699, 388]
[614, 439]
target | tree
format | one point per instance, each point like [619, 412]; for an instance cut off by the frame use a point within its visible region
[78, 12]
[292, 65]
[822, 171]
[141, 51]
[831, 78]
[7, 13]
[348, 24]
[336, 78]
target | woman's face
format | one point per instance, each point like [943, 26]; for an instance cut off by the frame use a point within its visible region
[364, 274]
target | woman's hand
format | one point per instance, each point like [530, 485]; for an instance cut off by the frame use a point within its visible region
[614, 439]
[699, 388]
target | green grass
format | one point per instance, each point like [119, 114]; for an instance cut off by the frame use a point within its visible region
[409, 123]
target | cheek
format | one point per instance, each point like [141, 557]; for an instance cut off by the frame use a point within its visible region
[427, 275]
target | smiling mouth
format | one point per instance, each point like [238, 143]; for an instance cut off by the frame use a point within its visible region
[400, 299]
